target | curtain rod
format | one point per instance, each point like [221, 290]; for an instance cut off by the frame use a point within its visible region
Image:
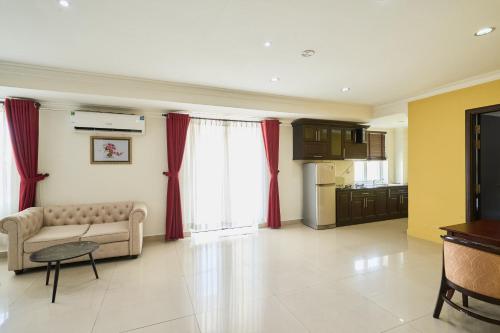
[25, 99]
[218, 119]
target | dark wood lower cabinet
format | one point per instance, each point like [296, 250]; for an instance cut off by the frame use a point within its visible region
[357, 210]
[381, 203]
[393, 206]
[368, 205]
[343, 207]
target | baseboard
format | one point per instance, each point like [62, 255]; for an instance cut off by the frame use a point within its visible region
[155, 238]
[283, 223]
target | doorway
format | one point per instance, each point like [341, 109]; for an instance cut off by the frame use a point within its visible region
[483, 163]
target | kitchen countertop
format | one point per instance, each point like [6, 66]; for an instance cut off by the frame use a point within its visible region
[367, 187]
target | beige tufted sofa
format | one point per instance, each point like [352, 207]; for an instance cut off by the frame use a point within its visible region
[117, 227]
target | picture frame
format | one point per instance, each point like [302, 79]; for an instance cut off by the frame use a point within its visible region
[110, 150]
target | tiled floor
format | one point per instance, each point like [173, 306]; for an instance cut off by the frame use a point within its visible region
[367, 278]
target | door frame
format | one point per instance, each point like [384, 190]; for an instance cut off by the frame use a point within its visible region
[470, 157]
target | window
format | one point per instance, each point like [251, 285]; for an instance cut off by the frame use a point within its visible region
[371, 171]
[9, 178]
[224, 176]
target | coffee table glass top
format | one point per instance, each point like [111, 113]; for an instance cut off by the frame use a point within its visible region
[63, 251]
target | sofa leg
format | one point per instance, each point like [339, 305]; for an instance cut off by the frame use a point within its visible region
[19, 271]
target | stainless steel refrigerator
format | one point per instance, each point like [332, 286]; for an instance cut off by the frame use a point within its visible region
[319, 195]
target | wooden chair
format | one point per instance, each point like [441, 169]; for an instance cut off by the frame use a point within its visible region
[473, 269]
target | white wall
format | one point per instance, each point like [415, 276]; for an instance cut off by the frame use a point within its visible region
[66, 156]
[401, 155]
[290, 177]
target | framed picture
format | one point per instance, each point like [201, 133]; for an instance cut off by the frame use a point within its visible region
[110, 150]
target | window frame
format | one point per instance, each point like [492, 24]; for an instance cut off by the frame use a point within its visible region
[364, 179]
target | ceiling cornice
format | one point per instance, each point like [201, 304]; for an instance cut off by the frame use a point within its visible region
[26, 76]
[469, 82]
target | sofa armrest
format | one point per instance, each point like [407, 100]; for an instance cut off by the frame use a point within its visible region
[137, 216]
[19, 227]
[25, 223]
[138, 213]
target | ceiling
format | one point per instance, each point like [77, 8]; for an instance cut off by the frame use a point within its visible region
[384, 50]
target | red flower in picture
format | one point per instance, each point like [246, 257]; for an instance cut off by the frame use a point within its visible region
[111, 150]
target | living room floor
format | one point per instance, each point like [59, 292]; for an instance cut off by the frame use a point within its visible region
[365, 278]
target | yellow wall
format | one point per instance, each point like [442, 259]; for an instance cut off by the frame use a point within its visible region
[436, 157]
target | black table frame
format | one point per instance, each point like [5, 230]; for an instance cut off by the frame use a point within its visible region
[56, 274]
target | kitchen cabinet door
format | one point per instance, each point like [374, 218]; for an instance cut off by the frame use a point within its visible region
[369, 212]
[376, 145]
[310, 133]
[404, 205]
[393, 206]
[357, 209]
[381, 200]
[355, 150]
[336, 144]
[343, 208]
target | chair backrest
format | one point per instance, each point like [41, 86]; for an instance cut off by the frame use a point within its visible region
[86, 214]
[472, 266]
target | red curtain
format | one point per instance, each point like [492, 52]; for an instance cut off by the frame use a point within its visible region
[22, 119]
[177, 126]
[271, 134]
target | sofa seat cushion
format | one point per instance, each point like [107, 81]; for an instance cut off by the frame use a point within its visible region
[107, 232]
[53, 235]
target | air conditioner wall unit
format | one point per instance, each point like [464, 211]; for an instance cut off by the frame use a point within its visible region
[86, 121]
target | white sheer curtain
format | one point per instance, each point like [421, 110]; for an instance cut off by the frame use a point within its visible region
[9, 178]
[224, 177]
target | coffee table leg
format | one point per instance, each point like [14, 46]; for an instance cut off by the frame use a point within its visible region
[93, 265]
[56, 279]
[48, 273]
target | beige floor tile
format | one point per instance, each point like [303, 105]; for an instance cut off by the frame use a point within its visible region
[332, 308]
[258, 315]
[364, 278]
[181, 325]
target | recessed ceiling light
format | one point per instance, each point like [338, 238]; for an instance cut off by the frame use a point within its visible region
[345, 89]
[308, 53]
[268, 43]
[64, 3]
[275, 79]
[484, 31]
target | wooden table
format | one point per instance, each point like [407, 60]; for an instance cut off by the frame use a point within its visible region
[481, 231]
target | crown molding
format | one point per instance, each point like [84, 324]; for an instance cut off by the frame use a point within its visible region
[63, 81]
[401, 106]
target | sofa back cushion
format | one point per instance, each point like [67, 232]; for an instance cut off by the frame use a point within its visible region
[86, 214]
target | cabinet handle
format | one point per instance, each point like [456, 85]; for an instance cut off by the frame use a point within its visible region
[317, 155]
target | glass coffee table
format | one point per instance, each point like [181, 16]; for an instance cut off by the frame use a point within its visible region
[57, 253]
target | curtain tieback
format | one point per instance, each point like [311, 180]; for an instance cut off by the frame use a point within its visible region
[275, 173]
[37, 178]
[171, 174]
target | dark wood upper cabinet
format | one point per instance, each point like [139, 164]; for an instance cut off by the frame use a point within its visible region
[336, 143]
[376, 145]
[315, 139]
